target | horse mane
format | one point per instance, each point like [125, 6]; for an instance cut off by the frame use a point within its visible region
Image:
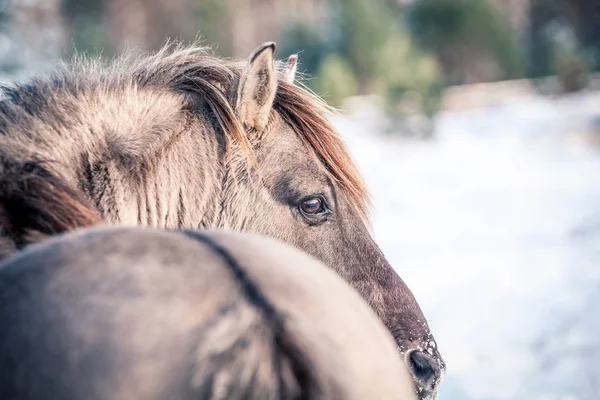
[202, 77]
[195, 69]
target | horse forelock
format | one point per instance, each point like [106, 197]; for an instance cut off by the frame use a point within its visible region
[307, 115]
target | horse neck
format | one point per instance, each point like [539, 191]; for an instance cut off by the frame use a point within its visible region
[139, 154]
[180, 186]
[178, 182]
[141, 158]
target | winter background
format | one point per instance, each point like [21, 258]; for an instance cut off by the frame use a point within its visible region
[495, 227]
[476, 124]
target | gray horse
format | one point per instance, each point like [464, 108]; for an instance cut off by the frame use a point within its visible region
[138, 313]
[182, 139]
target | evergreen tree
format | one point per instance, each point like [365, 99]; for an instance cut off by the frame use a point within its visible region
[461, 30]
[364, 27]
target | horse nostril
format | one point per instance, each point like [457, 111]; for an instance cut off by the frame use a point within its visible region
[424, 368]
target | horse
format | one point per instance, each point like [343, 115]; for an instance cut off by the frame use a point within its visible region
[183, 139]
[134, 312]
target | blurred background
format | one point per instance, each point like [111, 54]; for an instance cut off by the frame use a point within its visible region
[477, 126]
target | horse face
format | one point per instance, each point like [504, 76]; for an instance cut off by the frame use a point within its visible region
[297, 198]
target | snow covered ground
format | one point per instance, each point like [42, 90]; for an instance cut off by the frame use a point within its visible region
[495, 226]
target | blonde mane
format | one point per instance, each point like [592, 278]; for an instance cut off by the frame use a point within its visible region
[195, 69]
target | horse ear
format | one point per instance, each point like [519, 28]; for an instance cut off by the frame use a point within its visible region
[258, 85]
[290, 70]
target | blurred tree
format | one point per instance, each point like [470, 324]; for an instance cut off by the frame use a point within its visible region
[405, 70]
[563, 26]
[86, 25]
[212, 17]
[571, 68]
[31, 35]
[363, 28]
[587, 23]
[8, 63]
[363, 50]
[311, 45]
[4, 16]
[539, 44]
[108, 26]
[471, 38]
[336, 80]
[411, 85]
[147, 24]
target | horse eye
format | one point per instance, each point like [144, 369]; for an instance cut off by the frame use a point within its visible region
[312, 206]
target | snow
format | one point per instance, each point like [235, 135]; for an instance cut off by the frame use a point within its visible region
[495, 227]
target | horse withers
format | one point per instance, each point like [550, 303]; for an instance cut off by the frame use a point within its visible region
[140, 313]
[184, 140]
